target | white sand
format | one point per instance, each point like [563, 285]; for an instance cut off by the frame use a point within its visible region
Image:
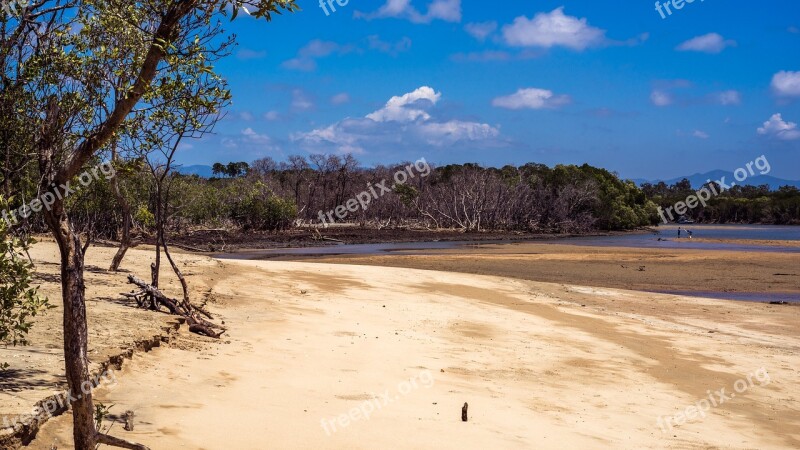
[310, 342]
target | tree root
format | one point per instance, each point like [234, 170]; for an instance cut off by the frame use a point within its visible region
[117, 442]
[184, 309]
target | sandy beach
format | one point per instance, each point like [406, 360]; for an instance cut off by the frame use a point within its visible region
[354, 356]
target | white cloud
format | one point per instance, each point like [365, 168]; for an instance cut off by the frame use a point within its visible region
[707, 43]
[447, 133]
[404, 122]
[700, 134]
[786, 84]
[272, 116]
[301, 101]
[634, 41]
[661, 98]
[393, 48]
[482, 30]
[340, 99]
[307, 56]
[246, 54]
[406, 108]
[343, 136]
[255, 138]
[727, 98]
[446, 10]
[552, 30]
[249, 140]
[392, 8]
[776, 127]
[531, 98]
[668, 92]
[306, 59]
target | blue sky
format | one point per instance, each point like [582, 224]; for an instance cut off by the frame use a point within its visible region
[712, 86]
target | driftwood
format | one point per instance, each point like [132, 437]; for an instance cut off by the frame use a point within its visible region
[190, 248]
[319, 237]
[209, 230]
[152, 298]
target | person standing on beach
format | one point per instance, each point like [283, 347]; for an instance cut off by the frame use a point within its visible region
[679, 231]
[689, 232]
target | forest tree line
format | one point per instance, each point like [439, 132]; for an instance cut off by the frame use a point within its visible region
[269, 195]
[739, 204]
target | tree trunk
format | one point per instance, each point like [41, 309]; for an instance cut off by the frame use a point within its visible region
[76, 334]
[179, 274]
[163, 207]
[75, 327]
[159, 238]
[125, 239]
[76, 340]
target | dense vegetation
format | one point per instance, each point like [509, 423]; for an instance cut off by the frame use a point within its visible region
[740, 204]
[274, 196]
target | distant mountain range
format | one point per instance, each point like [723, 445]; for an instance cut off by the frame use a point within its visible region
[699, 179]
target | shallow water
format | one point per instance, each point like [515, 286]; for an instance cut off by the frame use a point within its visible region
[760, 297]
[670, 239]
[408, 248]
[668, 234]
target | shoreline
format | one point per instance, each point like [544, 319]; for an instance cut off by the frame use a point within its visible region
[224, 241]
[227, 242]
[639, 269]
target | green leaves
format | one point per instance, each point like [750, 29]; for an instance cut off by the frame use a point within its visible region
[19, 302]
[259, 8]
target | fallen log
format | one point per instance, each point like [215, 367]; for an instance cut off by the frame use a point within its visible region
[208, 230]
[184, 309]
[319, 237]
[190, 248]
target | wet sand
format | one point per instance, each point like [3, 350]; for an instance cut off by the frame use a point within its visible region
[656, 270]
[768, 243]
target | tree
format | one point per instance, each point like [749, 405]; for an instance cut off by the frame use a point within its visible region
[219, 169]
[117, 189]
[87, 65]
[236, 169]
[193, 99]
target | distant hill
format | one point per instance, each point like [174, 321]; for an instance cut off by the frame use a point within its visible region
[699, 179]
[203, 171]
